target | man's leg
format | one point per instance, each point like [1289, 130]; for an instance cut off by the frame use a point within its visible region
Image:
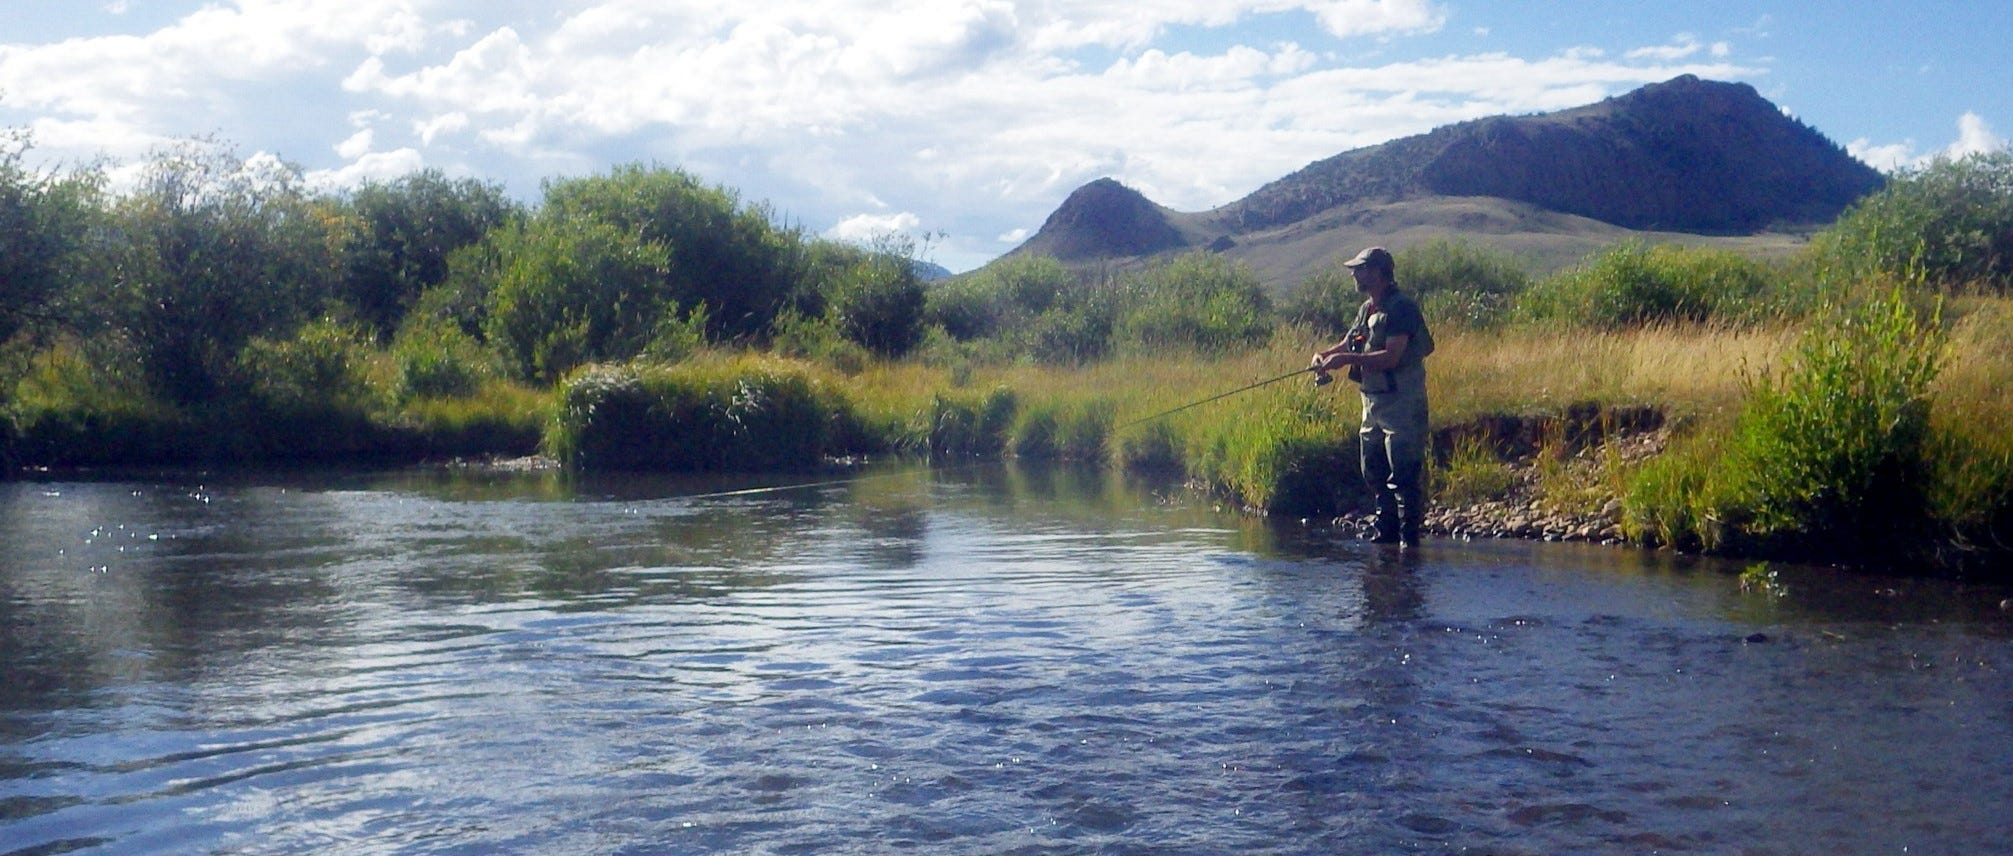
[1373, 445]
[1406, 446]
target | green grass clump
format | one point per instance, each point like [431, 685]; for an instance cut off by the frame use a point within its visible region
[1472, 472]
[497, 418]
[1299, 460]
[1062, 430]
[743, 415]
[964, 425]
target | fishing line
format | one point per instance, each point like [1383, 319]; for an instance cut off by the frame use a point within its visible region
[1318, 380]
[857, 477]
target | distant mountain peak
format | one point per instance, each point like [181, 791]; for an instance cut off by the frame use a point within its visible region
[1101, 219]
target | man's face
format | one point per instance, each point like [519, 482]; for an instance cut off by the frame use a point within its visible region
[1366, 277]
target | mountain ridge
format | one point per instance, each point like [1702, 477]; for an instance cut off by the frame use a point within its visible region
[1687, 159]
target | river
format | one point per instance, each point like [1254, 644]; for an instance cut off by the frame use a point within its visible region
[983, 659]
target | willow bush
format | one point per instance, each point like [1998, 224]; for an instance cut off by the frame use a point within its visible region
[308, 397]
[1948, 225]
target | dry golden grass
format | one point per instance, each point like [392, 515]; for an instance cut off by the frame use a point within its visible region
[1974, 393]
[1691, 371]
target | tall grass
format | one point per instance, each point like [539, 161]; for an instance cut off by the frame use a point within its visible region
[1972, 452]
[1691, 370]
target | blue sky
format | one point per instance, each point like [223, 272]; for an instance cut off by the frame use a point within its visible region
[967, 120]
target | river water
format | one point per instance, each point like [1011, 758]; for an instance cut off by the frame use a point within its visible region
[974, 660]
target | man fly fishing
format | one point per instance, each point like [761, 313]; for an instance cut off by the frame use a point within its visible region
[1385, 353]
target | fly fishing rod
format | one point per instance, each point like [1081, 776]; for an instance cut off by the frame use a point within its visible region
[1320, 378]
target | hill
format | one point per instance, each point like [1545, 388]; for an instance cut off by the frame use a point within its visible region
[1686, 160]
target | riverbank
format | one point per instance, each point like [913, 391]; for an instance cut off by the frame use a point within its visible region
[1527, 505]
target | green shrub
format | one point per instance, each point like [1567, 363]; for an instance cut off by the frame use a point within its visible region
[733, 417]
[1073, 335]
[570, 292]
[1027, 307]
[717, 250]
[678, 335]
[1199, 302]
[438, 360]
[1837, 449]
[324, 365]
[877, 302]
[1950, 224]
[1453, 280]
[308, 397]
[818, 340]
[1002, 296]
[1634, 285]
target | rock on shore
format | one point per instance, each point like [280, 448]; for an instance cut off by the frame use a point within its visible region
[1562, 501]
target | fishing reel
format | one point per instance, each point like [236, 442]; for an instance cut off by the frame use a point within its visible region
[1322, 377]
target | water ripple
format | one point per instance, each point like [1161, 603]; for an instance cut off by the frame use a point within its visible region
[935, 666]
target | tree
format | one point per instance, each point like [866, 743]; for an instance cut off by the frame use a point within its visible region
[573, 291]
[723, 254]
[44, 221]
[210, 252]
[405, 232]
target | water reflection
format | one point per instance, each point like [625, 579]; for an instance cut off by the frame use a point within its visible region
[971, 659]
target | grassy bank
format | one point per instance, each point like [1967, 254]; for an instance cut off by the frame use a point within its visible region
[1926, 476]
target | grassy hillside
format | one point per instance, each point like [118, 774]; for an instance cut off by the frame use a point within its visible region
[1543, 241]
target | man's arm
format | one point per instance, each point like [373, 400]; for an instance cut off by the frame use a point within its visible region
[1376, 361]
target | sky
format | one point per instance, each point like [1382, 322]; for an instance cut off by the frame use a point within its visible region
[960, 124]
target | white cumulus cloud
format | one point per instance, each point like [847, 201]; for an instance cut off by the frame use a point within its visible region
[865, 228]
[974, 117]
[1974, 136]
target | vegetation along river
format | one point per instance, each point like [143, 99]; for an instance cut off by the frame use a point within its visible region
[966, 660]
